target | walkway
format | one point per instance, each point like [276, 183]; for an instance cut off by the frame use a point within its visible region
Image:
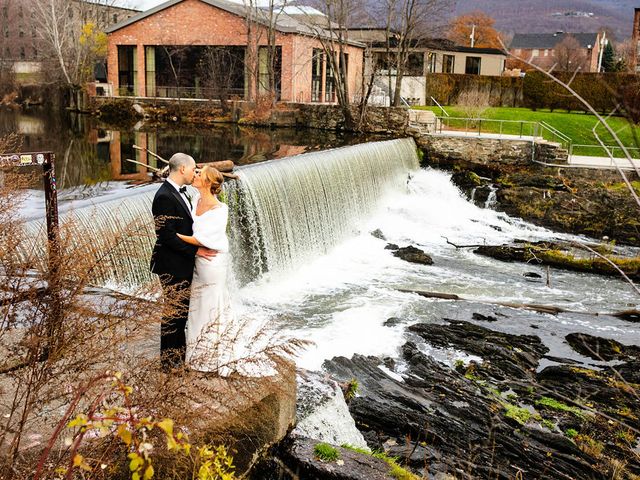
[602, 162]
[495, 136]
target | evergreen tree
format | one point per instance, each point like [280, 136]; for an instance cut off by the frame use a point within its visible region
[608, 59]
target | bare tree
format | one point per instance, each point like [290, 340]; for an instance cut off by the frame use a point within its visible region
[262, 52]
[569, 55]
[219, 69]
[331, 31]
[72, 42]
[408, 22]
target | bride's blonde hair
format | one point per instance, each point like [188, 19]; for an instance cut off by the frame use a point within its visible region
[214, 177]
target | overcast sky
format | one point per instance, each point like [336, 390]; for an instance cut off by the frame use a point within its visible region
[141, 4]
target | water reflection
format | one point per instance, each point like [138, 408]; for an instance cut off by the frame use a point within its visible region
[88, 153]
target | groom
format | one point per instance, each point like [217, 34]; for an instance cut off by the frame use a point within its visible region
[172, 259]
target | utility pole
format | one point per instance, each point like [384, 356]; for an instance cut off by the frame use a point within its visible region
[473, 34]
[603, 43]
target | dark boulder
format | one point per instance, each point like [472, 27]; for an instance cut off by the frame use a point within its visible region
[598, 348]
[413, 255]
[484, 318]
[299, 457]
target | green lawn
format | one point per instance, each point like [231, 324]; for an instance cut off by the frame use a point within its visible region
[577, 126]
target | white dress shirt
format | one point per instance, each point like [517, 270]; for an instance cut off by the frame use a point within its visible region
[189, 203]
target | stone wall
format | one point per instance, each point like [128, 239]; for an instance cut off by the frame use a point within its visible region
[463, 151]
[298, 115]
[450, 151]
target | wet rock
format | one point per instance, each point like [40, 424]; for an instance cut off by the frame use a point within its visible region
[481, 195]
[505, 417]
[466, 179]
[322, 413]
[484, 318]
[628, 315]
[562, 256]
[601, 348]
[507, 356]
[393, 321]
[299, 457]
[531, 275]
[378, 234]
[391, 246]
[413, 255]
[434, 414]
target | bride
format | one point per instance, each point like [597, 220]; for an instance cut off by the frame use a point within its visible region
[211, 335]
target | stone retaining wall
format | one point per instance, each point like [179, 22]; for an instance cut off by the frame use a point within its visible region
[451, 151]
[298, 115]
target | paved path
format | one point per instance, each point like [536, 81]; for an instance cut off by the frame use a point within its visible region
[602, 162]
[496, 136]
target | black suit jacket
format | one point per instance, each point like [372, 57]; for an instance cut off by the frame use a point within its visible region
[172, 256]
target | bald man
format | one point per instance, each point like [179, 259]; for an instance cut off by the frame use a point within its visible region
[173, 259]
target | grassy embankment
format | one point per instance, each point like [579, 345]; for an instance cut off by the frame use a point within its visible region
[577, 126]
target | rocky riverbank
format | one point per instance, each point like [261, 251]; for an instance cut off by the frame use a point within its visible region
[498, 414]
[581, 201]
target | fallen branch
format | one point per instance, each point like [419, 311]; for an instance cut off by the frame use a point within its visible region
[153, 169]
[151, 153]
[461, 246]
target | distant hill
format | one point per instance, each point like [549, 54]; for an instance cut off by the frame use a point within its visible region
[531, 16]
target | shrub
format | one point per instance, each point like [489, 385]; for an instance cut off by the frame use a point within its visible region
[473, 103]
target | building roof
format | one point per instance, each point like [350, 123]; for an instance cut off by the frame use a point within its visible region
[300, 20]
[550, 40]
[376, 38]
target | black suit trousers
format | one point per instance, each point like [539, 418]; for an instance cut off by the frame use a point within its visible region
[172, 335]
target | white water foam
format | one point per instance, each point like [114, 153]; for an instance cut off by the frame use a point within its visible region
[341, 300]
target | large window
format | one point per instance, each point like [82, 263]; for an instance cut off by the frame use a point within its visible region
[448, 63]
[415, 64]
[329, 84]
[264, 75]
[127, 70]
[472, 66]
[316, 75]
[432, 58]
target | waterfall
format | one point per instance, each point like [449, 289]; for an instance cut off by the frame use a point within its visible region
[291, 209]
[492, 198]
[282, 212]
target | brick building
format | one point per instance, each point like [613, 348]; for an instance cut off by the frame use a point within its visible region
[21, 44]
[542, 48]
[635, 35]
[187, 48]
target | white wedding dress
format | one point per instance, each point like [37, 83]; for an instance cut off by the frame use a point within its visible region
[216, 341]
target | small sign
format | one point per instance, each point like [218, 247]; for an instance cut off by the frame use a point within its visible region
[26, 159]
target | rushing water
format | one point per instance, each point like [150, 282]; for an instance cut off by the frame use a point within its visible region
[304, 225]
[341, 300]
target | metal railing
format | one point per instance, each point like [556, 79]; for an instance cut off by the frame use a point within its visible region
[600, 151]
[552, 134]
[195, 92]
[478, 126]
[184, 92]
[440, 106]
[505, 129]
